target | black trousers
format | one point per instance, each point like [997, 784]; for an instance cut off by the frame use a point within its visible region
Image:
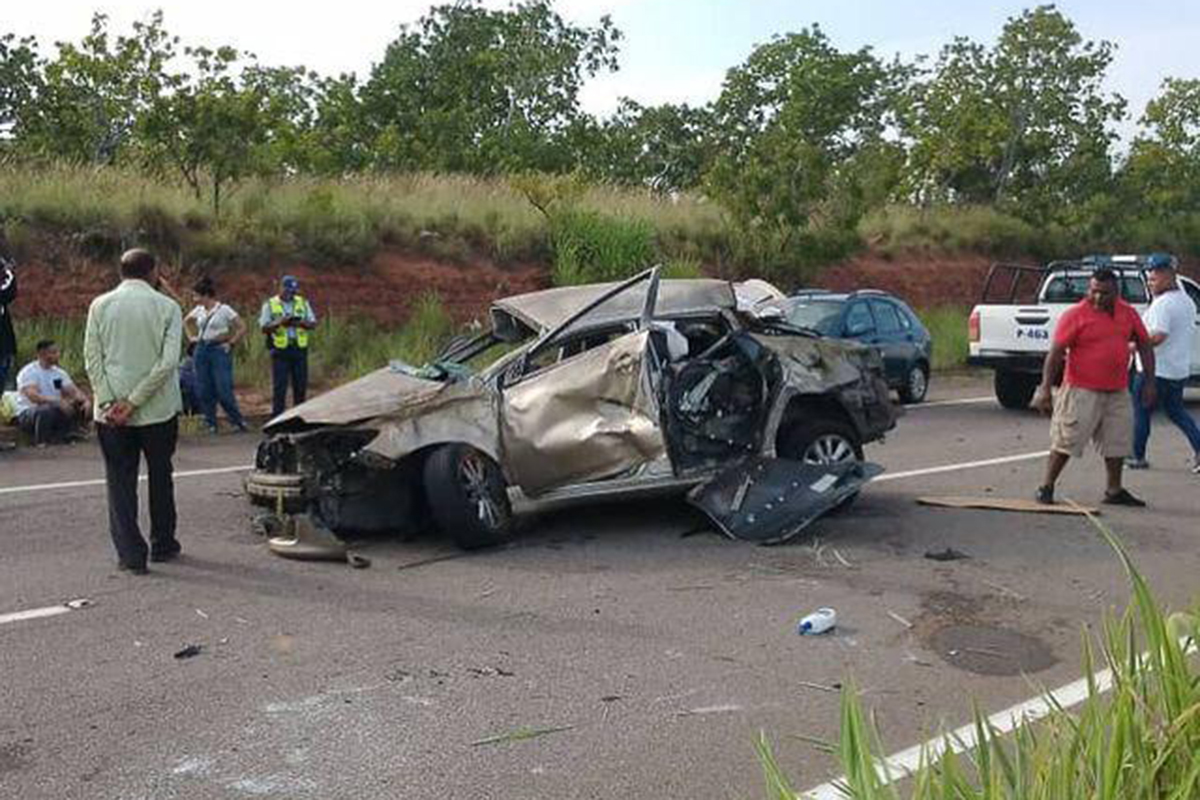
[47, 423]
[123, 448]
[290, 363]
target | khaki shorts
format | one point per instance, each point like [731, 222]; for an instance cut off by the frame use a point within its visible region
[1080, 415]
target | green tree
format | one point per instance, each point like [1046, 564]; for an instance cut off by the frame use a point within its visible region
[20, 80]
[791, 125]
[666, 147]
[474, 90]
[91, 94]
[212, 129]
[1160, 179]
[1026, 123]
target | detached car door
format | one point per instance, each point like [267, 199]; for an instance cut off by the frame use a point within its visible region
[580, 405]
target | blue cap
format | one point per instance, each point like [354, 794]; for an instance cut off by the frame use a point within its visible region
[290, 282]
[1159, 261]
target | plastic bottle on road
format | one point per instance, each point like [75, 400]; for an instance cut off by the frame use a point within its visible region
[820, 621]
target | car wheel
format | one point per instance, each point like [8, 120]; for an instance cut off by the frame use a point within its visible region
[822, 441]
[1014, 389]
[916, 384]
[468, 496]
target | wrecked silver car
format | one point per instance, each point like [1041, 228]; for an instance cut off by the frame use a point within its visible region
[591, 392]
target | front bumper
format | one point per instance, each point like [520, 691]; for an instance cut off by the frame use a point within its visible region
[274, 490]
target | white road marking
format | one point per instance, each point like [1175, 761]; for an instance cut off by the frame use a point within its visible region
[962, 401]
[906, 762]
[989, 462]
[38, 613]
[45, 487]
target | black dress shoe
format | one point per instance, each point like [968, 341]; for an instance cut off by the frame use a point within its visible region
[166, 555]
[133, 569]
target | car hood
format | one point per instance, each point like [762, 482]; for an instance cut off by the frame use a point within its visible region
[382, 392]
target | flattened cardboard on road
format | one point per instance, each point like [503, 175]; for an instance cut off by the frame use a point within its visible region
[1006, 504]
[770, 500]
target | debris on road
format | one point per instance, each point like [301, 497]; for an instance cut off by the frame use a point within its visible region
[520, 735]
[190, 651]
[727, 708]
[306, 540]
[900, 619]
[820, 621]
[357, 562]
[820, 687]
[201, 614]
[77, 604]
[1007, 591]
[949, 554]
[1007, 504]
[770, 500]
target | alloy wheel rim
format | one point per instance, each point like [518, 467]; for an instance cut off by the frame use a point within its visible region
[831, 448]
[479, 490]
[916, 383]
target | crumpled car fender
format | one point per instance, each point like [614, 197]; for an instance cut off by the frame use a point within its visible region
[452, 417]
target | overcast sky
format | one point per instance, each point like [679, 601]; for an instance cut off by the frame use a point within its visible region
[673, 51]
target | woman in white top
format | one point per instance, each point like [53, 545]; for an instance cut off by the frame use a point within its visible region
[215, 328]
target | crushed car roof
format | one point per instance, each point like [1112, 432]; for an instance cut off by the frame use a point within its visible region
[547, 309]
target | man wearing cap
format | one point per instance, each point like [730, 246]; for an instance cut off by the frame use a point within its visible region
[1090, 358]
[286, 319]
[1169, 321]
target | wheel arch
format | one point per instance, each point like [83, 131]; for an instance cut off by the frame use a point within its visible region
[807, 406]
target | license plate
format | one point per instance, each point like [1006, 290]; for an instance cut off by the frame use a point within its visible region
[1038, 334]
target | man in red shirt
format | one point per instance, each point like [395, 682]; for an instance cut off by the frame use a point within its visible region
[1092, 340]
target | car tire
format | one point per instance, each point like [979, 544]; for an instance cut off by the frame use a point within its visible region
[1014, 389]
[822, 441]
[468, 496]
[916, 384]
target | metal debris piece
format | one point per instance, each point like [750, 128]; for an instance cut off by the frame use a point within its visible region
[190, 651]
[949, 554]
[305, 539]
[751, 510]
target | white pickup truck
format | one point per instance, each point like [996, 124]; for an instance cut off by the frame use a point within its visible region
[1013, 339]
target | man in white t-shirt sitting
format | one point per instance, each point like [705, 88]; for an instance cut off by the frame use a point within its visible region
[50, 407]
[1169, 321]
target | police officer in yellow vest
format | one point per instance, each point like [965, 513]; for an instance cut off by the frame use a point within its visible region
[286, 319]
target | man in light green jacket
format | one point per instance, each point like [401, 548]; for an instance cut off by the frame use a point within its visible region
[131, 352]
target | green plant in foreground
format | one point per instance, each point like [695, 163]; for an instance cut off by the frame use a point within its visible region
[1137, 741]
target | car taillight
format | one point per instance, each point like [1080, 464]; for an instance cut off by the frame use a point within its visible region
[973, 326]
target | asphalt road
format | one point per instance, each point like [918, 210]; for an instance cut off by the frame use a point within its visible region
[613, 652]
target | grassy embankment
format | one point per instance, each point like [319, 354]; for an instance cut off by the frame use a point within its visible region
[342, 222]
[1139, 740]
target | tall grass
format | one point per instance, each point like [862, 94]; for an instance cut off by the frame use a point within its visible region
[948, 327]
[324, 221]
[343, 348]
[969, 228]
[1138, 741]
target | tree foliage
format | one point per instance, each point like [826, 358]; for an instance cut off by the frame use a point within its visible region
[1025, 122]
[474, 90]
[803, 139]
[792, 128]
